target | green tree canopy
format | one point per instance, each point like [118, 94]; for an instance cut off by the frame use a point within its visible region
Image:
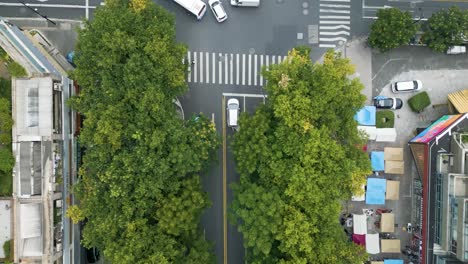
[446, 28]
[139, 190]
[298, 157]
[392, 29]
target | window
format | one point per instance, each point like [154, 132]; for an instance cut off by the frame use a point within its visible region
[33, 107]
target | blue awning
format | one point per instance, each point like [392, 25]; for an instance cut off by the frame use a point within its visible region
[393, 261]
[377, 161]
[375, 193]
[366, 116]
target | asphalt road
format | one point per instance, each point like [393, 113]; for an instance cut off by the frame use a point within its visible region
[228, 59]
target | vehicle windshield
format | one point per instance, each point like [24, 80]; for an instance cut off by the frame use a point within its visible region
[415, 84]
[232, 106]
[388, 102]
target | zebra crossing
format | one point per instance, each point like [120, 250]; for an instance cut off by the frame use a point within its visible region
[228, 68]
[335, 20]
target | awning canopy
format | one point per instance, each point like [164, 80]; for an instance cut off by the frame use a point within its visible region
[458, 102]
[376, 262]
[393, 261]
[393, 154]
[375, 193]
[377, 160]
[366, 116]
[370, 131]
[386, 135]
[394, 167]
[372, 244]
[393, 190]
[359, 239]
[387, 223]
[390, 245]
[359, 224]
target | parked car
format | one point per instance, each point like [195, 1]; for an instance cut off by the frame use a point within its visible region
[454, 50]
[233, 111]
[388, 102]
[246, 3]
[218, 10]
[406, 86]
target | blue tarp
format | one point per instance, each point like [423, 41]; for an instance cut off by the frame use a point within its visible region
[377, 161]
[393, 261]
[375, 193]
[366, 116]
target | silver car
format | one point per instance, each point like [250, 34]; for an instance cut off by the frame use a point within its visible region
[218, 10]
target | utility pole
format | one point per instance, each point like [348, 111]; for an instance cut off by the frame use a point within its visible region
[35, 11]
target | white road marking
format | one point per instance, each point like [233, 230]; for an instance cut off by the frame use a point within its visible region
[333, 39]
[207, 61]
[335, 0]
[335, 17]
[261, 66]
[189, 62]
[335, 33]
[231, 68]
[195, 67]
[335, 27]
[334, 22]
[87, 9]
[214, 67]
[334, 11]
[327, 46]
[201, 67]
[273, 59]
[220, 68]
[225, 69]
[267, 61]
[255, 69]
[237, 69]
[335, 6]
[250, 68]
[243, 69]
[48, 5]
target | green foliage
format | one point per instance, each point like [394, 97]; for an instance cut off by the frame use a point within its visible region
[5, 89]
[6, 123]
[419, 101]
[297, 159]
[16, 70]
[385, 119]
[446, 28]
[8, 250]
[6, 184]
[139, 189]
[392, 29]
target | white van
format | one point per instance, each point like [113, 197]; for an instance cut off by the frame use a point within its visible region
[406, 86]
[456, 50]
[233, 110]
[247, 3]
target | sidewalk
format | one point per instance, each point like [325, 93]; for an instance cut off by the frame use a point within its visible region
[361, 56]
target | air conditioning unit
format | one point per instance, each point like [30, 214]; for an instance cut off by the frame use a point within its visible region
[57, 86]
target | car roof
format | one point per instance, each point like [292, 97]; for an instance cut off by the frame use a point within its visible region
[219, 10]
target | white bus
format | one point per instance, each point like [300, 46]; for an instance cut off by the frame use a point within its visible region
[196, 7]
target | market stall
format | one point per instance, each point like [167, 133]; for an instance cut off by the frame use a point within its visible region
[359, 224]
[387, 223]
[377, 161]
[393, 190]
[376, 189]
[394, 167]
[390, 245]
[393, 154]
[372, 244]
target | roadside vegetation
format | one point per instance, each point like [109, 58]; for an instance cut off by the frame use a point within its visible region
[7, 160]
[14, 68]
[392, 29]
[385, 119]
[444, 29]
[298, 157]
[140, 187]
[419, 101]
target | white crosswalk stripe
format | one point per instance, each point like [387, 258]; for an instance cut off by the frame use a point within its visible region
[334, 20]
[229, 68]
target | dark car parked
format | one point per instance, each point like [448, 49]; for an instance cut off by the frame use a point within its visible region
[388, 102]
[92, 255]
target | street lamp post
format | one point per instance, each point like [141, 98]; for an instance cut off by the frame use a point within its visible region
[35, 11]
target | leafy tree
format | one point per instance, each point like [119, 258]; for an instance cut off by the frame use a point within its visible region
[6, 122]
[140, 190]
[446, 28]
[392, 29]
[298, 159]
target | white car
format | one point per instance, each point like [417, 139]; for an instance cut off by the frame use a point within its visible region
[454, 50]
[218, 10]
[232, 112]
[406, 86]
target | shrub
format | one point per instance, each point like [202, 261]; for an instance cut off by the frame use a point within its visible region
[5, 89]
[419, 101]
[16, 70]
[385, 119]
[7, 249]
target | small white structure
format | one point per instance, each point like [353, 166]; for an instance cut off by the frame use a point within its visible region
[359, 224]
[372, 244]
